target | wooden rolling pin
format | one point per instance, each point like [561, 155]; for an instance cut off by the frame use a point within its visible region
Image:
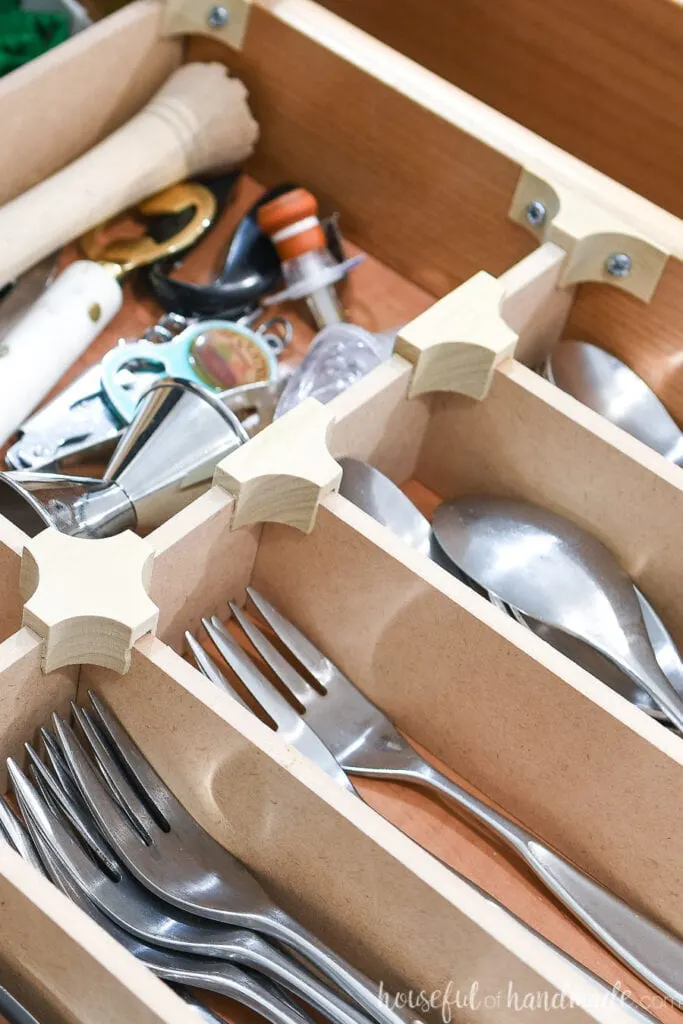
[198, 123]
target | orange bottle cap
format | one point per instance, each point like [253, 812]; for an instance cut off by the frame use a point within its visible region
[291, 222]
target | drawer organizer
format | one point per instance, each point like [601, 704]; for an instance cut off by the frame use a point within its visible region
[438, 190]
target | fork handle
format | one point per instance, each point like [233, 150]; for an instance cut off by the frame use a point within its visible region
[290, 974]
[280, 926]
[650, 951]
[247, 989]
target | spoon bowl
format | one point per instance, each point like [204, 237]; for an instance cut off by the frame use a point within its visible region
[603, 383]
[381, 498]
[555, 572]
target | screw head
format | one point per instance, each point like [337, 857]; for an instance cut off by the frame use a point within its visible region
[618, 264]
[218, 16]
[536, 213]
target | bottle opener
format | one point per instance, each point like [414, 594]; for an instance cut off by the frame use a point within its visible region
[81, 424]
[216, 354]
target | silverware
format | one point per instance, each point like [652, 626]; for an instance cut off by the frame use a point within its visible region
[554, 571]
[13, 832]
[365, 742]
[290, 725]
[602, 668]
[203, 972]
[36, 850]
[380, 498]
[164, 460]
[14, 1011]
[605, 384]
[275, 711]
[132, 907]
[181, 862]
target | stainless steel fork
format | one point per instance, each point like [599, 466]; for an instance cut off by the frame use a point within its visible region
[175, 858]
[246, 988]
[149, 918]
[290, 725]
[213, 672]
[365, 742]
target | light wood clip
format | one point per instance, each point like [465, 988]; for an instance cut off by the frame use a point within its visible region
[458, 342]
[87, 599]
[591, 235]
[224, 20]
[283, 474]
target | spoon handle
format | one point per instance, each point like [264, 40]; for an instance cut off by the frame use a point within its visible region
[651, 678]
[650, 951]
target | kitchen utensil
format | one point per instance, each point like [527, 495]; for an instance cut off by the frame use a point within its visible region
[164, 460]
[14, 1011]
[380, 498]
[605, 384]
[144, 915]
[279, 712]
[86, 296]
[204, 972]
[214, 354]
[250, 271]
[290, 725]
[308, 267]
[198, 123]
[365, 742]
[554, 571]
[79, 425]
[602, 668]
[182, 863]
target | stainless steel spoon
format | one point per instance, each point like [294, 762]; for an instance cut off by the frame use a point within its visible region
[602, 668]
[554, 571]
[379, 497]
[605, 384]
[376, 494]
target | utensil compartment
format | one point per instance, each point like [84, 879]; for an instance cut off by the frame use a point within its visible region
[366, 889]
[493, 703]
[433, 655]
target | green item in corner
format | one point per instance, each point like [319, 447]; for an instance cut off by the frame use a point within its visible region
[26, 34]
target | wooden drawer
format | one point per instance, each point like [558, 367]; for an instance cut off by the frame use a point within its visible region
[434, 187]
[605, 83]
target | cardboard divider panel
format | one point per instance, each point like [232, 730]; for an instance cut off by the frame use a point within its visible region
[28, 696]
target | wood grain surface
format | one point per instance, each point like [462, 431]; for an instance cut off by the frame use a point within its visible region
[603, 81]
